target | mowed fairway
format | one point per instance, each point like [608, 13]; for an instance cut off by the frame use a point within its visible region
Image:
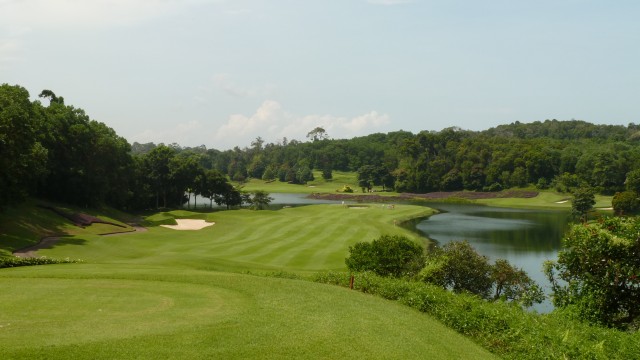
[168, 294]
[306, 238]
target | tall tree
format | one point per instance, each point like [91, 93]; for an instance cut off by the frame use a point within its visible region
[22, 156]
[582, 202]
[159, 173]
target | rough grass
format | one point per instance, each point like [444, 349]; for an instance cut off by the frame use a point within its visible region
[508, 331]
[107, 311]
[26, 224]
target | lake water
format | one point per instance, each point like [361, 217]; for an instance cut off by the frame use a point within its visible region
[526, 238]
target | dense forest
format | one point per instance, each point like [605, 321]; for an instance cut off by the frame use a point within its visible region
[57, 151]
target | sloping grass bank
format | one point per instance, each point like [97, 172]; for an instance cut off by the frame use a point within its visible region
[503, 329]
[89, 311]
[26, 224]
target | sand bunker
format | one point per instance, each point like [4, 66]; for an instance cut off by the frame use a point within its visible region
[189, 224]
[562, 201]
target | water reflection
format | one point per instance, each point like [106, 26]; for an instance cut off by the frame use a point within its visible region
[526, 238]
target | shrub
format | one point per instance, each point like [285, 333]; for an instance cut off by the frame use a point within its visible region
[459, 267]
[387, 256]
[625, 202]
[597, 274]
[18, 261]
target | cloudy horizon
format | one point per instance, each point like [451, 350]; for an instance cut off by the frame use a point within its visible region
[221, 73]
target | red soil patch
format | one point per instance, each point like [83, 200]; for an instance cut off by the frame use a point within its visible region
[468, 195]
[80, 219]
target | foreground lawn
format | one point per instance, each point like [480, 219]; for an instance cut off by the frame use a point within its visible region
[90, 311]
[306, 238]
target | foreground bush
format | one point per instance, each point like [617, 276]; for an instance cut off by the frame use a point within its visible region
[597, 273]
[459, 267]
[502, 328]
[18, 261]
[387, 256]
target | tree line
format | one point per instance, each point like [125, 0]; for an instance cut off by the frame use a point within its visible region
[56, 151]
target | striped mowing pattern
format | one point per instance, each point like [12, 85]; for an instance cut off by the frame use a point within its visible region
[308, 238]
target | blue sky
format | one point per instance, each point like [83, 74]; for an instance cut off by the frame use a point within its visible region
[221, 73]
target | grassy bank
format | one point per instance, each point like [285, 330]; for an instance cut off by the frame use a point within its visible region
[26, 224]
[125, 311]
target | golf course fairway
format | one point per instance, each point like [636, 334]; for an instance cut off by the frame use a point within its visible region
[164, 293]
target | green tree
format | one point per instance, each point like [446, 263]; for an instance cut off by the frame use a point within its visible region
[228, 196]
[626, 202]
[212, 183]
[22, 157]
[597, 273]
[183, 175]
[632, 181]
[389, 255]
[159, 172]
[514, 284]
[459, 267]
[317, 134]
[260, 199]
[582, 202]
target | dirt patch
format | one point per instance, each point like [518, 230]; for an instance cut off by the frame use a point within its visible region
[189, 224]
[49, 241]
[79, 219]
[467, 195]
[45, 243]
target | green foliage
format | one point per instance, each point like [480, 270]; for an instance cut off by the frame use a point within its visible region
[632, 181]
[33, 261]
[346, 189]
[597, 274]
[23, 159]
[508, 331]
[626, 202]
[389, 255]
[260, 200]
[327, 173]
[459, 267]
[582, 202]
[514, 284]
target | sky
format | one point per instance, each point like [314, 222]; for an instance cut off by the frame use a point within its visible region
[222, 73]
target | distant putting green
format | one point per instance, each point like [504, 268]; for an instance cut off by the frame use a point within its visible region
[91, 311]
[306, 238]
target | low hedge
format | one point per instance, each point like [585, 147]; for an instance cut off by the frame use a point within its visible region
[33, 261]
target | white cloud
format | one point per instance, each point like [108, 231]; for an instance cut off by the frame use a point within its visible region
[389, 2]
[272, 123]
[224, 82]
[9, 51]
[46, 14]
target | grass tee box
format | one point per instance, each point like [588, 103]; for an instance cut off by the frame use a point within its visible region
[113, 311]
